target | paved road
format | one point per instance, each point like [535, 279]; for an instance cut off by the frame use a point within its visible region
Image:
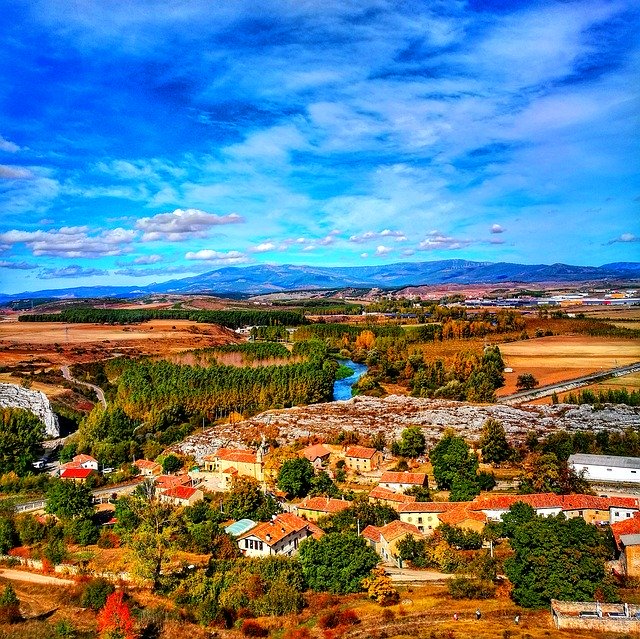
[34, 578]
[66, 373]
[570, 384]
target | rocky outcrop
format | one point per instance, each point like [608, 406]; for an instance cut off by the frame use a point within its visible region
[390, 415]
[12, 396]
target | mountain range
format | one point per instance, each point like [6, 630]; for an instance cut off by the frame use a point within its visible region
[268, 278]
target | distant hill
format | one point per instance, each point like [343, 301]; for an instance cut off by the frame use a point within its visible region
[265, 278]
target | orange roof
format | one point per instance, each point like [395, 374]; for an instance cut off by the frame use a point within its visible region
[324, 504]
[77, 473]
[397, 528]
[145, 463]
[360, 452]
[458, 515]
[417, 479]
[316, 451]
[388, 495]
[629, 526]
[81, 459]
[504, 502]
[235, 455]
[180, 492]
[624, 502]
[230, 471]
[431, 506]
[584, 502]
[271, 532]
[171, 481]
[372, 533]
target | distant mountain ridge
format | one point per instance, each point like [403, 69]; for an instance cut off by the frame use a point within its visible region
[268, 278]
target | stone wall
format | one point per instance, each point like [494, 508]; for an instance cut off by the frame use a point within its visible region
[13, 396]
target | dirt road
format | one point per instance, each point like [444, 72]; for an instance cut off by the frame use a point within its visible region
[412, 576]
[34, 578]
[66, 373]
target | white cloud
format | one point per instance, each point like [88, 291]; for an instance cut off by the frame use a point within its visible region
[148, 259]
[71, 271]
[624, 238]
[218, 257]
[182, 224]
[264, 247]
[9, 172]
[375, 235]
[382, 250]
[22, 266]
[496, 228]
[72, 241]
[7, 146]
[436, 240]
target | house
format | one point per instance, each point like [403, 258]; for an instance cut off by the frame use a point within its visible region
[244, 462]
[621, 508]
[165, 482]
[425, 516]
[385, 539]
[312, 508]
[280, 536]
[362, 459]
[399, 482]
[494, 506]
[148, 468]
[181, 496]
[626, 527]
[78, 475]
[594, 510]
[606, 468]
[389, 497]
[464, 517]
[317, 454]
[81, 461]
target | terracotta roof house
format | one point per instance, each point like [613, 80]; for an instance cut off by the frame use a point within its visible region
[362, 459]
[245, 462]
[312, 508]
[79, 475]
[148, 468]
[316, 454]
[389, 497]
[164, 482]
[464, 518]
[81, 461]
[181, 496]
[426, 515]
[385, 538]
[401, 481]
[280, 536]
[629, 526]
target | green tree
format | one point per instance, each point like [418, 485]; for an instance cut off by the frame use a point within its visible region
[95, 593]
[69, 500]
[296, 477]
[21, 441]
[9, 605]
[412, 443]
[526, 381]
[493, 442]
[245, 500]
[322, 484]
[464, 488]
[557, 558]
[452, 458]
[8, 535]
[358, 516]
[171, 463]
[337, 562]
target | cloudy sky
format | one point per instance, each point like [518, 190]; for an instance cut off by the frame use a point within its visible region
[143, 140]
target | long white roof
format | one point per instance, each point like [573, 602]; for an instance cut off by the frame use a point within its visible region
[605, 460]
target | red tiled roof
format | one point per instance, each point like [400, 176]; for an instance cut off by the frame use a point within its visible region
[171, 481]
[584, 502]
[235, 455]
[230, 471]
[372, 533]
[77, 473]
[417, 479]
[316, 451]
[504, 502]
[180, 492]
[324, 504]
[629, 526]
[81, 459]
[271, 532]
[431, 506]
[360, 452]
[624, 502]
[457, 516]
[146, 463]
[385, 494]
[397, 528]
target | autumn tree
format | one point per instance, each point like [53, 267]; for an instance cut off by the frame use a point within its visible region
[115, 620]
[380, 588]
[493, 442]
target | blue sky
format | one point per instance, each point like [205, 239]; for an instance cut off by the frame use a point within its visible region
[142, 141]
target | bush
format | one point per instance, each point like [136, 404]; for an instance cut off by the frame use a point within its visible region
[64, 629]
[253, 629]
[297, 633]
[95, 593]
[108, 539]
[467, 588]
[9, 606]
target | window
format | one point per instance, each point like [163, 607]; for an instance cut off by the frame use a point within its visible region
[634, 472]
[261, 545]
[609, 469]
[419, 520]
[246, 543]
[409, 519]
[617, 514]
[628, 514]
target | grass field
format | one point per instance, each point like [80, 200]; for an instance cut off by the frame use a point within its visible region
[560, 357]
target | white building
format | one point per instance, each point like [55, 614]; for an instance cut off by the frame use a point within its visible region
[398, 482]
[280, 536]
[607, 468]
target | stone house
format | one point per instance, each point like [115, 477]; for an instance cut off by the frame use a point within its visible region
[385, 539]
[312, 508]
[362, 459]
[181, 496]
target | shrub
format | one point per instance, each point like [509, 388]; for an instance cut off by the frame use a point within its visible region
[330, 620]
[108, 539]
[64, 629]
[9, 606]
[252, 628]
[297, 633]
[95, 593]
[467, 588]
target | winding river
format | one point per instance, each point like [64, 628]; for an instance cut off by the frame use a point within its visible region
[342, 387]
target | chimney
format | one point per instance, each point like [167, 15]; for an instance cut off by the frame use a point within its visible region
[268, 537]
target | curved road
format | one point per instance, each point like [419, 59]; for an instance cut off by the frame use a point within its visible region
[66, 373]
[569, 384]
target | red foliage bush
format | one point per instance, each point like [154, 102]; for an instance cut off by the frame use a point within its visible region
[21, 551]
[47, 566]
[253, 629]
[297, 633]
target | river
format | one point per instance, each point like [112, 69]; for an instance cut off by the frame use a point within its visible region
[342, 387]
